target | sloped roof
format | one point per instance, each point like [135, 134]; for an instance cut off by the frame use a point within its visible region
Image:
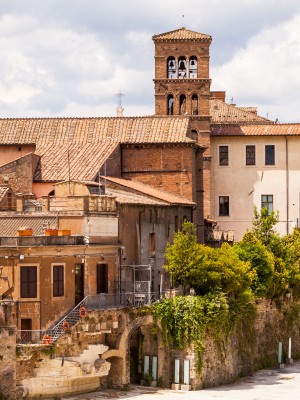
[85, 143]
[182, 34]
[150, 191]
[223, 113]
[125, 197]
[256, 130]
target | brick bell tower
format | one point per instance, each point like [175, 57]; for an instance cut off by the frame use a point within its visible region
[182, 87]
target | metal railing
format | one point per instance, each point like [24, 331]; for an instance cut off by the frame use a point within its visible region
[101, 301]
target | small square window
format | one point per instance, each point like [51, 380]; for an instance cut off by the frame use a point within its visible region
[269, 154]
[223, 205]
[250, 155]
[223, 155]
[267, 202]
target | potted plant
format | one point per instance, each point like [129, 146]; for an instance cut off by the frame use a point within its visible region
[24, 231]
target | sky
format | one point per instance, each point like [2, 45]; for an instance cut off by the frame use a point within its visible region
[69, 58]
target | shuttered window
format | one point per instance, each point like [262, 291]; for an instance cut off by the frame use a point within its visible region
[28, 282]
[58, 280]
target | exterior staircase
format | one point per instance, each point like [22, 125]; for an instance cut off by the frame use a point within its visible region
[52, 334]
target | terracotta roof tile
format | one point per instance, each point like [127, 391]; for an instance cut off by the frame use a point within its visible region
[182, 34]
[223, 113]
[150, 191]
[87, 142]
[124, 197]
[256, 130]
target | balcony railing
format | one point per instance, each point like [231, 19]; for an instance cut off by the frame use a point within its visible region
[101, 301]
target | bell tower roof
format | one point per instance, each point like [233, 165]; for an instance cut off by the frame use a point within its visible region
[182, 34]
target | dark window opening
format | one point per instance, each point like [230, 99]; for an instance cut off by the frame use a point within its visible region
[223, 155]
[269, 154]
[250, 155]
[58, 280]
[152, 244]
[176, 223]
[223, 205]
[28, 282]
[102, 278]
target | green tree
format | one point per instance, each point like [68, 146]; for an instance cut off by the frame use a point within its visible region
[262, 262]
[184, 256]
[203, 268]
[264, 226]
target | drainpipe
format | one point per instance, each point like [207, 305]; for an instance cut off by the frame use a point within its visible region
[140, 233]
[287, 184]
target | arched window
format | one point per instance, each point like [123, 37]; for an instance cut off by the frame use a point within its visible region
[171, 69]
[193, 65]
[182, 68]
[194, 104]
[170, 104]
[182, 103]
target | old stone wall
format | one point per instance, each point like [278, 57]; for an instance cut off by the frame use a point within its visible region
[7, 352]
[249, 347]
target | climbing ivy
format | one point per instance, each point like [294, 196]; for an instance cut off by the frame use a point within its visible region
[186, 319]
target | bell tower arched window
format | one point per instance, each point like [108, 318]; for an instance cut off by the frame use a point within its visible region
[182, 73]
[193, 66]
[182, 103]
[170, 104]
[171, 73]
[194, 104]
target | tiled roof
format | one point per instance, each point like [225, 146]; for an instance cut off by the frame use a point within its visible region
[182, 34]
[87, 142]
[223, 113]
[150, 191]
[10, 224]
[123, 197]
[256, 130]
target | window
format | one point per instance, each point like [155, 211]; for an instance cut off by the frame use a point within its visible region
[58, 281]
[170, 104]
[28, 282]
[195, 104]
[193, 67]
[102, 278]
[269, 154]
[152, 244]
[250, 155]
[267, 202]
[182, 100]
[171, 68]
[223, 205]
[223, 155]
[182, 68]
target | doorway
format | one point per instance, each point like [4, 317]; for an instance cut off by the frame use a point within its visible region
[79, 283]
[26, 328]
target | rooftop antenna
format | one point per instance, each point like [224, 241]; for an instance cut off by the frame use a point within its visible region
[120, 109]
[182, 19]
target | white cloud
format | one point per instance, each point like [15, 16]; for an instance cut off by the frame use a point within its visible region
[266, 72]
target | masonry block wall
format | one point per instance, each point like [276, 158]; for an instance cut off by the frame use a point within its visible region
[167, 167]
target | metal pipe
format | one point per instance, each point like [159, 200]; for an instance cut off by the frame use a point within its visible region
[287, 184]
